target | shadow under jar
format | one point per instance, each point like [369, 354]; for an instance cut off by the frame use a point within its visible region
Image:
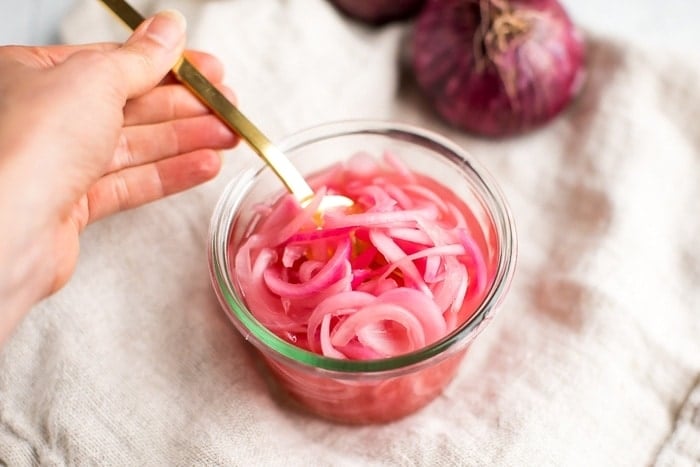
[380, 390]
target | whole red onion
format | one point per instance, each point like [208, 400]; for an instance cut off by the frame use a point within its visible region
[379, 11]
[497, 67]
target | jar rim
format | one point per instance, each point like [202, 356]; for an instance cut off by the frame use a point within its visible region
[488, 189]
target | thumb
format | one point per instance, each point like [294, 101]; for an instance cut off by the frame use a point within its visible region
[150, 52]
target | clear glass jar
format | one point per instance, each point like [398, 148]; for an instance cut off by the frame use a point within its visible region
[371, 391]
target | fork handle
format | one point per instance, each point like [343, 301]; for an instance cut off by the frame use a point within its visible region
[223, 108]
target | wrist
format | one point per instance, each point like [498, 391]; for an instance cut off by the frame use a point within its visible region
[23, 276]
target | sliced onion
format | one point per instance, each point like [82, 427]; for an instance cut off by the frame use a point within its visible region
[421, 306]
[394, 254]
[396, 272]
[337, 304]
[330, 273]
[376, 313]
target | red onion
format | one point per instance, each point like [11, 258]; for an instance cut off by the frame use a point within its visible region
[497, 67]
[398, 271]
[379, 11]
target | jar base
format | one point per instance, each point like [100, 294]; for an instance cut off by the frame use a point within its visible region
[362, 401]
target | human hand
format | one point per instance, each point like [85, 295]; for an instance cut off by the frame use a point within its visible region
[85, 132]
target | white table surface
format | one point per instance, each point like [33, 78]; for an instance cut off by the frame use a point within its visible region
[35, 22]
[671, 23]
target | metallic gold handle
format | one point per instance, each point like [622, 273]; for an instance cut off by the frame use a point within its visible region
[200, 86]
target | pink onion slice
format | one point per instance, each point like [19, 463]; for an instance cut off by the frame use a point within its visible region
[421, 306]
[336, 304]
[375, 313]
[397, 271]
[394, 254]
[329, 274]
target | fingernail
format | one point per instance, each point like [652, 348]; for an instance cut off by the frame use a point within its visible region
[167, 28]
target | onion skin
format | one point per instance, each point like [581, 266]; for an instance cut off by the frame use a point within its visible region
[497, 67]
[377, 12]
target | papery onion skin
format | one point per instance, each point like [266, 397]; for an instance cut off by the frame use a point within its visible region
[497, 67]
[377, 12]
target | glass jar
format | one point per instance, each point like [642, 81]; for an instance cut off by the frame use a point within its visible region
[371, 391]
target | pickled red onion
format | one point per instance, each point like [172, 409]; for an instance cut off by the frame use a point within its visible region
[397, 271]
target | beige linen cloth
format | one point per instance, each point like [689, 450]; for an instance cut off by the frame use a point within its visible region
[593, 360]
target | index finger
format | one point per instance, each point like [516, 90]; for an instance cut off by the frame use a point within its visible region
[50, 55]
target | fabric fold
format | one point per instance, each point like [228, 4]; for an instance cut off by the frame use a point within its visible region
[133, 363]
[683, 445]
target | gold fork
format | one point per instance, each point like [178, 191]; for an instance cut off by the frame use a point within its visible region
[223, 108]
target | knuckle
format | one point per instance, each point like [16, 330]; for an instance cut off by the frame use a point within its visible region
[121, 193]
[40, 55]
[143, 61]
[124, 155]
[173, 137]
[97, 202]
[172, 103]
[95, 60]
[208, 165]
